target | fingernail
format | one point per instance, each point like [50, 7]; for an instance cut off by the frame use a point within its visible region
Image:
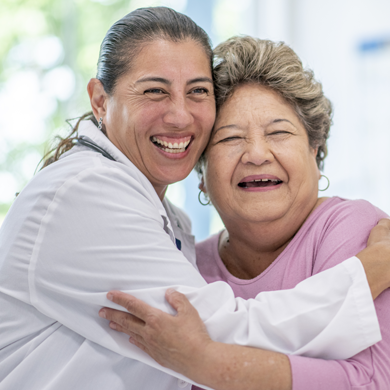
[112, 325]
[170, 291]
[110, 296]
[102, 313]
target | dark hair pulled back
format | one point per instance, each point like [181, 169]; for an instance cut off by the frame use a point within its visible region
[120, 47]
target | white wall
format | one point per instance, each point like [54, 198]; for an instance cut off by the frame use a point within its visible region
[327, 35]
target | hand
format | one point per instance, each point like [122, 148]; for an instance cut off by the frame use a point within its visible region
[380, 234]
[376, 258]
[177, 342]
[182, 343]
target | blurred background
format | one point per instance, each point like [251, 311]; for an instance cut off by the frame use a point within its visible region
[49, 50]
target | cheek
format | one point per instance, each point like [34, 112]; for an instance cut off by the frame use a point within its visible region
[219, 170]
[204, 113]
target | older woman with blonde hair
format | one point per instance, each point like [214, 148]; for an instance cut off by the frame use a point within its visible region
[261, 170]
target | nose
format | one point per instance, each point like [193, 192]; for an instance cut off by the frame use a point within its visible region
[178, 114]
[257, 152]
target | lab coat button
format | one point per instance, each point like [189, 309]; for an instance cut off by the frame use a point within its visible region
[182, 384]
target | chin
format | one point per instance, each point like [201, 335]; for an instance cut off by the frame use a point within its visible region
[169, 177]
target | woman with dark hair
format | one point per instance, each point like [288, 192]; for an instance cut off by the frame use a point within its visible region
[95, 218]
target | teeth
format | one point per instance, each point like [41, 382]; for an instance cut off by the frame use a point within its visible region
[172, 148]
[259, 180]
[173, 151]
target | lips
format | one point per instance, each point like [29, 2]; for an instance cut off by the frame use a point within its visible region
[260, 181]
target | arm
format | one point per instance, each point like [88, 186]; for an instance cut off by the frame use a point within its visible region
[183, 344]
[375, 258]
[102, 231]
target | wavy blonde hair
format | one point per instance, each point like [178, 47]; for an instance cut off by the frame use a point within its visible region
[243, 59]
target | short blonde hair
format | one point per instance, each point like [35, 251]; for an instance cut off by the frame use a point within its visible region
[244, 59]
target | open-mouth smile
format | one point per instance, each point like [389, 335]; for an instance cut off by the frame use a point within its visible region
[258, 182]
[172, 145]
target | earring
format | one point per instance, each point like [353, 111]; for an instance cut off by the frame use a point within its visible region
[100, 124]
[200, 200]
[327, 185]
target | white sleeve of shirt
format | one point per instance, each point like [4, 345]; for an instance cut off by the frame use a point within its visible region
[100, 232]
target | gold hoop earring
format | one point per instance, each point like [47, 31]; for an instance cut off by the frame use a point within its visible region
[200, 200]
[327, 185]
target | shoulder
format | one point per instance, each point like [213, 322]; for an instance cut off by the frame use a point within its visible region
[88, 170]
[339, 229]
[86, 183]
[358, 214]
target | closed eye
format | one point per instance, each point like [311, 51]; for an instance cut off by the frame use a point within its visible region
[233, 138]
[283, 132]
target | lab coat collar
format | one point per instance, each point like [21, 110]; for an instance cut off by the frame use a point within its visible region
[88, 129]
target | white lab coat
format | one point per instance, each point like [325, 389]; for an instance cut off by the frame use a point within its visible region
[86, 225]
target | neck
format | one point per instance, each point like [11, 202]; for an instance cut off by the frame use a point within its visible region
[161, 190]
[248, 249]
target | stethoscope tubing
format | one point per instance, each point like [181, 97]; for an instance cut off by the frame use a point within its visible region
[93, 146]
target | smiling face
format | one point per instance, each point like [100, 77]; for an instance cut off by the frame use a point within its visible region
[259, 165]
[162, 111]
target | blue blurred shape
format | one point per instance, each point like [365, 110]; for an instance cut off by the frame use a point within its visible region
[201, 12]
[373, 45]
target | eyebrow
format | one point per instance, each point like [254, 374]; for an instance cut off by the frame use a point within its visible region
[234, 126]
[156, 79]
[200, 80]
[282, 120]
[168, 82]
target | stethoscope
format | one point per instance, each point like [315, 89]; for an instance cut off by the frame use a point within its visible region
[93, 146]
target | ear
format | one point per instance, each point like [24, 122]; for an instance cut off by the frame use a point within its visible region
[97, 97]
[202, 186]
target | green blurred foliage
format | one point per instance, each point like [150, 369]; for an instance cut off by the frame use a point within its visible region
[81, 26]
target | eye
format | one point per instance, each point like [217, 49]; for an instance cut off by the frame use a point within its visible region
[199, 91]
[227, 139]
[280, 132]
[157, 91]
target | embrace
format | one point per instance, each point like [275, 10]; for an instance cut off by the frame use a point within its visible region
[291, 295]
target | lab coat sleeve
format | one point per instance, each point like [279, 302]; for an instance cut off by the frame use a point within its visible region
[101, 232]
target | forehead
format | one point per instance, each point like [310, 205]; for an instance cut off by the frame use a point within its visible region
[184, 59]
[255, 100]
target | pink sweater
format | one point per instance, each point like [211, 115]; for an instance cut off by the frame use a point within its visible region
[335, 231]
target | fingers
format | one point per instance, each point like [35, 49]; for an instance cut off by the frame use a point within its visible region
[380, 232]
[134, 338]
[384, 226]
[133, 305]
[178, 301]
[138, 344]
[182, 305]
[125, 321]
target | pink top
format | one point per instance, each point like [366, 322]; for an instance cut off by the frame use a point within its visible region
[335, 231]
